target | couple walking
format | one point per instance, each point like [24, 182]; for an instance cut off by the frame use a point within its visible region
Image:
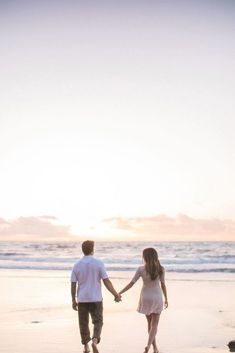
[86, 279]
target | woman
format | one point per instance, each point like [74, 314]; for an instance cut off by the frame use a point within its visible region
[151, 301]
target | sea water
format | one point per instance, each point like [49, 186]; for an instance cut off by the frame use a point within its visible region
[187, 257]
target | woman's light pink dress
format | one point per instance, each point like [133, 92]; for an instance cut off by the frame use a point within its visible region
[151, 300]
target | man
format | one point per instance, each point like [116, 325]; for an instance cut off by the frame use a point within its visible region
[86, 276]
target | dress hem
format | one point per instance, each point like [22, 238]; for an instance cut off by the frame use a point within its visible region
[153, 312]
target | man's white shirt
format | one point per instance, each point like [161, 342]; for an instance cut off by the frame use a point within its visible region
[88, 273]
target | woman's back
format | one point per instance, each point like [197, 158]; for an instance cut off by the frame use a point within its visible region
[151, 300]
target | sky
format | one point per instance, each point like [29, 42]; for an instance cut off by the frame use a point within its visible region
[117, 120]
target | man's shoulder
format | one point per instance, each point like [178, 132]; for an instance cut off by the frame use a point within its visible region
[92, 260]
[98, 262]
[77, 262]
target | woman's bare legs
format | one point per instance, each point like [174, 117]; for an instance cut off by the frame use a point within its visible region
[153, 320]
[148, 317]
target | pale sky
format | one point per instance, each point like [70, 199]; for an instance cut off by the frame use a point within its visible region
[117, 119]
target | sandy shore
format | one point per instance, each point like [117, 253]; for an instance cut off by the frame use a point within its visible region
[36, 315]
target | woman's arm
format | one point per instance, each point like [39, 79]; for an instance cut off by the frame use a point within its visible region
[164, 293]
[132, 282]
[127, 287]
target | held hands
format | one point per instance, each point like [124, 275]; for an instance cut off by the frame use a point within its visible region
[118, 298]
[75, 305]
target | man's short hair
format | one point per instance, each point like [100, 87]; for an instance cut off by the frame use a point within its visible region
[88, 247]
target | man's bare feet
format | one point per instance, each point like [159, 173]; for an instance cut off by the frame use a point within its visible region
[86, 348]
[94, 345]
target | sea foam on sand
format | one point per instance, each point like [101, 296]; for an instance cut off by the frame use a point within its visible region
[36, 314]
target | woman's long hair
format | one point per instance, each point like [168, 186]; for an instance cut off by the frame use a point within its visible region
[152, 264]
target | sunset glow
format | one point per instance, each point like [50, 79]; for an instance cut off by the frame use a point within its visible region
[117, 123]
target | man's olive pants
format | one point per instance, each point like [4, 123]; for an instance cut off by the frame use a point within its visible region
[95, 309]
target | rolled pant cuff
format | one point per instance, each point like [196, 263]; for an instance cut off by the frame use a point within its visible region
[86, 341]
[98, 339]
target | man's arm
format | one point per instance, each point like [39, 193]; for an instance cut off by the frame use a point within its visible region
[108, 284]
[73, 294]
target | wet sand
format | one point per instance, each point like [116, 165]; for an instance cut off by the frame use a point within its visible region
[36, 314]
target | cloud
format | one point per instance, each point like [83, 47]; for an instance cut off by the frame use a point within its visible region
[33, 228]
[178, 227]
[53, 218]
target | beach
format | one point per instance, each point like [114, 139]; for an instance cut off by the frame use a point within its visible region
[36, 314]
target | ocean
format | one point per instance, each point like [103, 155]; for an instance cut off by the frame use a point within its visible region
[181, 257]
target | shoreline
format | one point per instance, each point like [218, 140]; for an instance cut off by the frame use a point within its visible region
[170, 276]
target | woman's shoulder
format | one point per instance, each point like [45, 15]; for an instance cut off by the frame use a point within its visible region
[162, 271]
[162, 274]
[140, 269]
